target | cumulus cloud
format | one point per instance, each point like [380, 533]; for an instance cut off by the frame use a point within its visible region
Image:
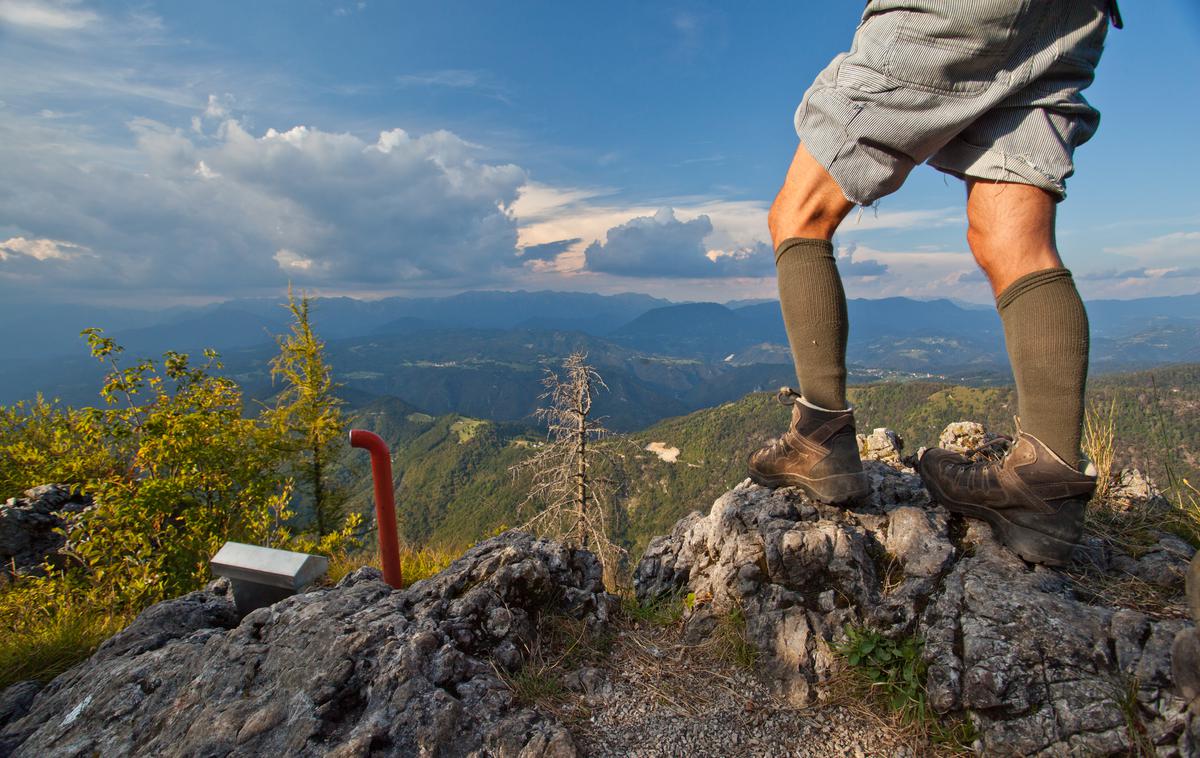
[232, 210]
[1165, 247]
[664, 246]
[548, 251]
[852, 268]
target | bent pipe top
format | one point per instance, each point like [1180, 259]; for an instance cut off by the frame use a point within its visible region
[385, 503]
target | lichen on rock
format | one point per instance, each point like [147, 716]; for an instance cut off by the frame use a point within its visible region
[33, 529]
[356, 669]
[1040, 667]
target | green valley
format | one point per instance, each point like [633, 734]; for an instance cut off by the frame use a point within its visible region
[453, 484]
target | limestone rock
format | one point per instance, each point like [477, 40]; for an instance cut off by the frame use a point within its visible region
[16, 700]
[1041, 668]
[882, 445]
[33, 528]
[1193, 587]
[1132, 485]
[1185, 663]
[356, 669]
[961, 436]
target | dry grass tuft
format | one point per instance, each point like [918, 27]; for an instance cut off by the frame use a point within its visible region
[1100, 445]
[415, 564]
[42, 640]
[563, 645]
[652, 662]
[1185, 520]
[1127, 591]
[1131, 528]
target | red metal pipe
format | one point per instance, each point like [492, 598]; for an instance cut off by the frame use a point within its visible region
[385, 503]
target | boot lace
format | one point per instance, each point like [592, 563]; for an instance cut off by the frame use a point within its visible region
[995, 449]
[779, 445]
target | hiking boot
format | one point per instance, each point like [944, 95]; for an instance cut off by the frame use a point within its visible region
[818, 454]
[1033, 499]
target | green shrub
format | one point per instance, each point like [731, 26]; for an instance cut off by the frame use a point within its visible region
[893, 671]
[664, 610]
[175, 468]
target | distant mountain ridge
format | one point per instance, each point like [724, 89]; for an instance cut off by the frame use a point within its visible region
[37, 332]
[483, 353]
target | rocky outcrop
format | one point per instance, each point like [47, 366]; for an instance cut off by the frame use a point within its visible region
[357, 669]
[1044, 662]
[1041, 666]
[33, 528]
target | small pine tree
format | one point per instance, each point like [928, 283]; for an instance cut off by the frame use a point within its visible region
[308, 414]
[573, 499]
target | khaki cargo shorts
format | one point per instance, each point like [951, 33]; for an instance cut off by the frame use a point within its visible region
[989, 89]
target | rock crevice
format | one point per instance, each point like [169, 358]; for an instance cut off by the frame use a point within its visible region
[350, 670]
[1039, 667]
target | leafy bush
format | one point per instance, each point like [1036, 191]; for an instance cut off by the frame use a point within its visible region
[175, 468]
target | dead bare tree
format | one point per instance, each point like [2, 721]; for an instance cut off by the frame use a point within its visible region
[573, 500]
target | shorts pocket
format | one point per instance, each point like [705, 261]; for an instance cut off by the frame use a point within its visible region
[955, 51]
[1083, 28]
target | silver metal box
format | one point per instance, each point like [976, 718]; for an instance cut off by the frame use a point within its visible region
[261, 576]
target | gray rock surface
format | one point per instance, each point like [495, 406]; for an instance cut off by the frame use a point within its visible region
[1041, 667]
[32, 528]
[358, 669]
[16, 700]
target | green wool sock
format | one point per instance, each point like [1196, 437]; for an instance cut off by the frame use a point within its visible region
[1046, 330]
[814, 314]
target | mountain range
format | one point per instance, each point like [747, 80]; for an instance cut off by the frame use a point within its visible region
[484, 354]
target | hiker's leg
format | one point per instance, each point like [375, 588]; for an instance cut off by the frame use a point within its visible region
[809, 205]
[1010, 228]
[802, 220]
[1011, 234]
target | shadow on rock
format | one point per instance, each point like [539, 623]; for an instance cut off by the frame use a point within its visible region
[356, 669]
[1039, 667]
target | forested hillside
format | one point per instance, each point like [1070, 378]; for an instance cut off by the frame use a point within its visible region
[454, 486]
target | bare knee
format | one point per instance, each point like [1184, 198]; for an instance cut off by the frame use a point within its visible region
[810, 204]
[1010, 230]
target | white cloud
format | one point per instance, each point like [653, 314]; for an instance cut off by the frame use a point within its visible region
[474, 81]
[40, 249]
[855, 268]
[204, 172]
[664, 246]
[916, 273]
[39, 15]
[1165, 250]
[218, 107]
[236, 211]
[292, 263]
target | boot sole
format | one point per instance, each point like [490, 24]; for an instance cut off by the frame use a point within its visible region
[834, 489]
[1030, 544]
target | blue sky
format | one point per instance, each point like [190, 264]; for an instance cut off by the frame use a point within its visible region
[185, 152]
